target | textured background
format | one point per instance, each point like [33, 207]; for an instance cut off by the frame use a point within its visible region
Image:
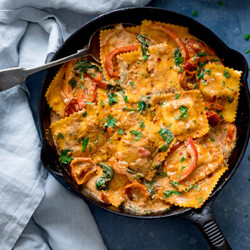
[232, 207]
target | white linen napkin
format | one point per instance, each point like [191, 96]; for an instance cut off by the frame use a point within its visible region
[35, 210]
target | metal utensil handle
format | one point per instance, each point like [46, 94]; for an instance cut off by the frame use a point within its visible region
[13, 76]
[80, 53]
[204, 219]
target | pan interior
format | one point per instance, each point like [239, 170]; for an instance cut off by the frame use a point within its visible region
[231, 58]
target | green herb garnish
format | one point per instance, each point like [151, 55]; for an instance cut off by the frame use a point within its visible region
[112, 99]
[246, 37]
[195, 13]
[175, 183]
[142, 125]
[177, 57]
[60, 135]
[132, 84]
[102, 182]
[120, 131]
[170, 193]
[84, 143]
[72, 82]
[137, 134]
[221, 3]
[84, 65]
[142, 38]
[226, 74]
[167, 135]
[64, 157]
[142, 105]
[110, 122]
[183, 115]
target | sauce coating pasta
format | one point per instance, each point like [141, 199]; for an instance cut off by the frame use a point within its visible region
[150, 128]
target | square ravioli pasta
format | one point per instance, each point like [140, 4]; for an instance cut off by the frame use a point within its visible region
[195, 196]
[183, 113]
[180, 160]
[144, 77]
[221, 84]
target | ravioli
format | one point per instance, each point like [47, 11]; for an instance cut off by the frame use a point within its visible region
[117, 37]
[183, 113]
[144, 77]
[195, 196]
[152, 127]
[209, 159]
[223, 84]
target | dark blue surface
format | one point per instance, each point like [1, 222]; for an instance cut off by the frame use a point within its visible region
[232, 207]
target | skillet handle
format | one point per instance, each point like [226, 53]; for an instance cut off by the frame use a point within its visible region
[204, 219]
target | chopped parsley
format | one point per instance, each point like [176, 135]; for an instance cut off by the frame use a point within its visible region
[60, 135]
[175, 183]
[170, 193]
[84, 65]
[177, 96]
[199, 54]
[72, 82]
[200, 76]
[125, 98]
[229, 99]
[221, 3]
[120, 131]
[142, 38]
[137, 134]
[183, 114]
[177, 57]
[247, 51]
[84, 143]
[204, 82]
[197, 187]
[230, 89]
[142, 125]
[110, 122]
[167, 135]
[112, 99]
[102, 103]
[246, 37]
[182, 167]
[183, 159]
[200, 200]
[64, 157]
[142, 105]
[195, 13]
[84, 114]
[226, 74]
[207, 71]
[132, 84]
[212, 139]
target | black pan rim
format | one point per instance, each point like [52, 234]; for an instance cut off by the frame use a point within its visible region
[244, 80]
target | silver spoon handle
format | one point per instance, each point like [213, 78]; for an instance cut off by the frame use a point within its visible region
[80, 53]
[13, 76]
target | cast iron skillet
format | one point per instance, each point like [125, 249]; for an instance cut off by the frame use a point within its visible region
[202, 217]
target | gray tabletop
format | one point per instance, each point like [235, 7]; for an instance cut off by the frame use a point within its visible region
[229, 20]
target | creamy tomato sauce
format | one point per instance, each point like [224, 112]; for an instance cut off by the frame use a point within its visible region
[150, 128]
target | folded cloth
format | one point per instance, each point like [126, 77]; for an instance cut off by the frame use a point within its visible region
[35, 210]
